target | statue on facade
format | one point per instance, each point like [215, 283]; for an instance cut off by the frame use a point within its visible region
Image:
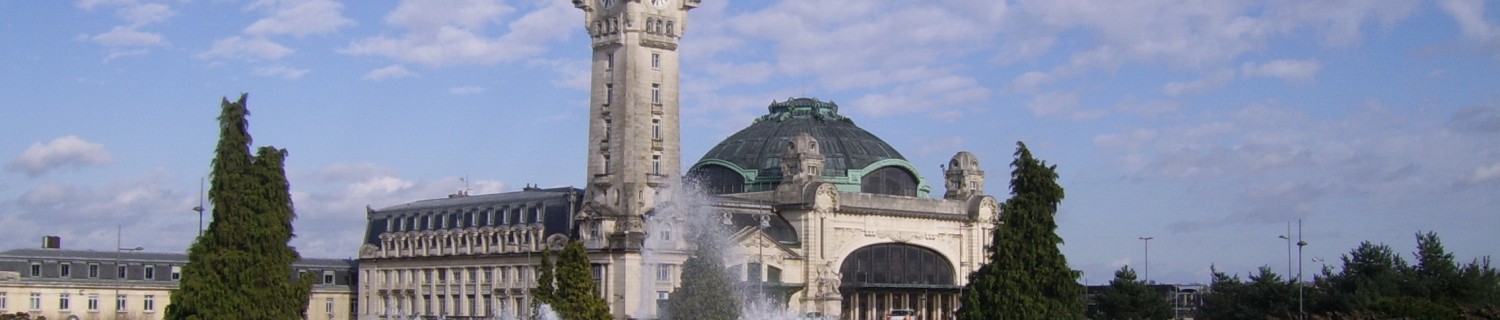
[828, 280]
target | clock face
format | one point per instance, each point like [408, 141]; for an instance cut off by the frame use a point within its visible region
[660, 2]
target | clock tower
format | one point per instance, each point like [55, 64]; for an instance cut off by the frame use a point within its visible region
[634, 154]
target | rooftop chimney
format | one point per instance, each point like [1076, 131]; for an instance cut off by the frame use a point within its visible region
[51, 242]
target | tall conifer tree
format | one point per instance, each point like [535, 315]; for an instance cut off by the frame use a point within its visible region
[241, 267]
[1027, 276]
[707, 293]
[576, 296]
[546, 279]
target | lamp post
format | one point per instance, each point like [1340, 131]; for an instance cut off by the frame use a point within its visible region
[199, 208]
[1301, 313]
[1147, 242]
[120, 277]
[760, 258]
[1288, 238]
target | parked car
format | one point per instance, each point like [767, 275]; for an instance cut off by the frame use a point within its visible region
[901, 314]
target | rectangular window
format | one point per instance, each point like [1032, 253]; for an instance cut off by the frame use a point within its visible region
[65, 270]
[150, 304]
[655, 93]
[93, 302]
[122, 273]
[120, 303]
[2, 301]
[656, 60]
[328, 305]
[609, 92]
[36, 269]
[327, 277]
[176, 273]
[664, 273]
[609, 61]
[536, 215]
[93, 270]
[62, 301]
[662, 295]
[36, 301]
[656, 129]
[752, 272]
[150, 272]
[655, 164]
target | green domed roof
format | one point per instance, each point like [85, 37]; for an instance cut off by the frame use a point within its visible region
[849, 151]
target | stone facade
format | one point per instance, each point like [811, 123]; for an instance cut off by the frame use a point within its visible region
[87, 285]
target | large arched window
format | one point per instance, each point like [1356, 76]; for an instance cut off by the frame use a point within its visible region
[894, 264]
[715, 179]
[891, 180]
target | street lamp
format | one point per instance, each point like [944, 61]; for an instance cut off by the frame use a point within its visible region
[199, 208]
[1147, 242]
[760, 258]
[1288, 239]
[122, 271]
[1301, 314]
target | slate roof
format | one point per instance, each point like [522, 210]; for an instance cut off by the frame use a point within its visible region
[180, 258]
[483, 199]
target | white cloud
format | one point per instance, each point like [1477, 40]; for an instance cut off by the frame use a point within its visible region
[394, 71]
[237, 47]
[66, 151]
[1053, 103]
[1470, 17]
[152, 214]
[1484, 173]
[335, 196]
[129, 39]
[1294, 71]
[299, 18]
[465, 90]
[284, 72]
[1210, 82]
[122, 36]
[453, 32]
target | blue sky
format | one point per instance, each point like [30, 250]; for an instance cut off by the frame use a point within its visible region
[1208, 125]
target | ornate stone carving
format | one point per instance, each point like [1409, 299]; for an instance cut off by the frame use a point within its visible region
[368, 251]
[828, 280]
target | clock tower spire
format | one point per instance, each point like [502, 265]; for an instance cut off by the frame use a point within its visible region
[634, 154]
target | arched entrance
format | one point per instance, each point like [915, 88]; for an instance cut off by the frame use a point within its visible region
[882, 277]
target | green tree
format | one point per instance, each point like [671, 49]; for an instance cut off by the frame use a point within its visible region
[1370, 273]
[1265, 296]
[1027, 276]
[241, 266]
[707, 293]
[576, 296]
[1128, 298]
[546, 278]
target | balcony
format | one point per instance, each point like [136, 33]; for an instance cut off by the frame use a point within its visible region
[657, 180]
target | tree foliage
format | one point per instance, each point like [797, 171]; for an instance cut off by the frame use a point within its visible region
[707, 293]
[241, 267]
[1027, 276]
[546, 279]
[1373, 283]
[575, 296]
[1127, 298]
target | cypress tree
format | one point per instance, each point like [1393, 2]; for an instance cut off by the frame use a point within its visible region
[576, 296]
[1026, 277]
[241, 267]
[707, 292]
[546, 278]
